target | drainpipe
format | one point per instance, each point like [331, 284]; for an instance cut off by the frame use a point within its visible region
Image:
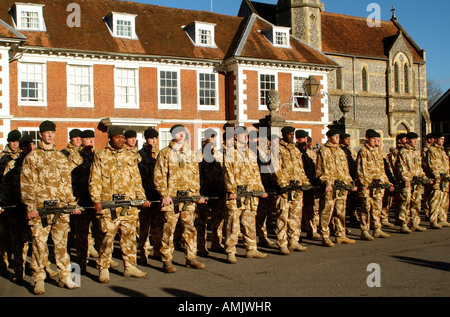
[354, 90]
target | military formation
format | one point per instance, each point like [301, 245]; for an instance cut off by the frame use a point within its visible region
[154, 200]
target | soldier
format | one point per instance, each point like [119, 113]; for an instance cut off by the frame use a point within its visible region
[74, 144]
[409, 165]
[388, 194]
[115, 172]
[369, 170]
[351, 205]
[427, 189]
[130, 143]
[16, 227]
[212, 184]
[150, 219]
[437, 163]
[177, 174]
[332, 167]
[310, 197]
[290, 203]
[45, 176]
[242, 173]
[392, 156]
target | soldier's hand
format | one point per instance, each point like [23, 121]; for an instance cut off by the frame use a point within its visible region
[265, 195]
[166, 201]
[98, 207]
[232, 196]
[201, 201]
[32, 214]
[146, 204]
[392, 188]
[354, 189]
[1, 210]
[329, 189]
[77, 212]
[407, 185]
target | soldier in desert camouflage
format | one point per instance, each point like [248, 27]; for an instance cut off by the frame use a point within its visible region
[242, 171]
[177, 174]
[115, 172]
[332, 166]
[45, 176]
[370, 169]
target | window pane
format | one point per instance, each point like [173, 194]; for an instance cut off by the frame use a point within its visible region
[168, 88]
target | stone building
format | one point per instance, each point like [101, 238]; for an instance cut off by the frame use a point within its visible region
[382, 69]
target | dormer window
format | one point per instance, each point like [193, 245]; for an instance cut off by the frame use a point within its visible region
[201, 33]
[28, 16]
[121, 25]
[278, 36]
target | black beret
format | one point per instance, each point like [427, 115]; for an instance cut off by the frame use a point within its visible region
[301, 134]
[151, 133]
[371, 133]
[177, 128]
[332, 132]
[116, 130]
[209, 133]
[412, 135]
[431, 136]
[287, 130]
[344, 135]
[25, 140]
[253, 134]
[240, 130]
[47, 126]
[130, 134]
[87, 134]
[401, 136]
[14, 136]
[74, 133]
[227, 136]
[438, 135]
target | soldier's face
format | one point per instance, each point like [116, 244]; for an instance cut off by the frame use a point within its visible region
[179, 137]
[152, 141]
[76, 141]
[130, 142]
[334, 139]
[88, 142]
[47, 136]
[440, 141]
[289, 137]
[242, 138]
[412, 142]
[117, 141]
[13, 145]
[302, 141]
[372, 142]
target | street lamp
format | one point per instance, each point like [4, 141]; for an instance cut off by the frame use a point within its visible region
[311, 87]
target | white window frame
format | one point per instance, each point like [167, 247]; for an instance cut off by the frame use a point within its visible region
[271, 73]
[30, 8]
[303, 95]
[272, 34]
[215, 106]
[41, 102]
[70, 101]
[117, 99]
[163, 141]
[112, 21]
[194, 31]
[31, 129]
[171, 106]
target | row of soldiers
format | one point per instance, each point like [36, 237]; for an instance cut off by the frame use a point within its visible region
[171, 193]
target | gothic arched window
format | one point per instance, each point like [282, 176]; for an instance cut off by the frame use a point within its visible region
[364, 79]
[396, 78]
[406, 78]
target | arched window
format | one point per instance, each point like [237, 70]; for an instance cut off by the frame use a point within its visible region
[364, 79]
[339, 79]
[406, 78]
[396, 78]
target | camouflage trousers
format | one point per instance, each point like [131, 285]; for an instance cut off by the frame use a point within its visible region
[439, 203]
[109, 227]
[83, 233]
[16, 234]
[410, 204]
[332, 209]
[263, 219]
[150, 224]
[370, 212]
[386, 204]
[289, 219]
[189, 232]
[311, 216]
[245, 216]
[217, 210]
[39, 258]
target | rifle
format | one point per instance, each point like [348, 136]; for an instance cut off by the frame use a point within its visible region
[242, 191]
[419, 181]
[51, 208]
[444, 180]
[120, 202]
[294, 188]
[377, 186]
[340, 186]
[182, 197]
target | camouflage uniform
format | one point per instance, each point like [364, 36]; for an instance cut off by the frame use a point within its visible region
[46, 176]
[150, 219]
[427, 189]
[115, 172]
[241, 169]
[387, 198]
[370, 167]
[289, 206]
[409, 164]
[212, 184]
[332, 166]
[437, 163]
[176, 170]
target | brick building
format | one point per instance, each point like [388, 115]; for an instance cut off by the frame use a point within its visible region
[382, 68]
[95, 63]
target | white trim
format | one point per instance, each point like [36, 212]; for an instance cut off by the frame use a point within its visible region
[214, 107]
[265, 72]
[134, 105]
[111, 22]
[29, 7]
[42, 103]
[70, 102]
[176, 106]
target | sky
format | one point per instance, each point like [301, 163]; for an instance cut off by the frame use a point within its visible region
[427, 23]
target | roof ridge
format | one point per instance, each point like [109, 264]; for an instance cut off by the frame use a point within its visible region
[350, 16]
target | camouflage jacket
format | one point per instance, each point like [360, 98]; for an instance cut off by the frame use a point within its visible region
[115, 172]
[241, 169]
[332, 165]
[10, 187]
[409, 164]
[147, 169]
[370, 167]
[290, 165]
[437, 162]
[176, 169]
[45, 176]
[5, 156]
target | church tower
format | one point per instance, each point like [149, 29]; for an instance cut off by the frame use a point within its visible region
[303, 17]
